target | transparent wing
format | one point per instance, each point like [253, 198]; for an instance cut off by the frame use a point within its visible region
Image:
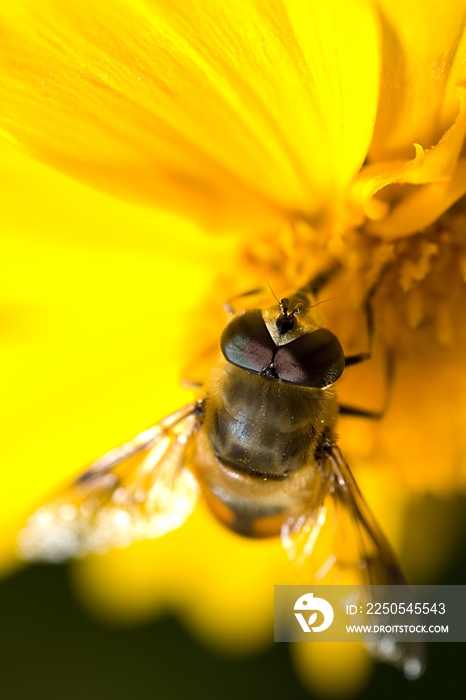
[338, 541]
[137, 490]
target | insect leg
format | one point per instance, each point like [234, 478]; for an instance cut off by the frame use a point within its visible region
[362, 356]
[191, 385]
[360, 412]
[228, 305]
[319, 281]
[370, 323]
[374, 415]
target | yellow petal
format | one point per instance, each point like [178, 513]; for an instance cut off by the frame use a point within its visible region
[95, 298]
[332, 669]
[375, 177]
[340, 46]
[220, 585]
[231, 111]
[439, 177]
[422, 205]
[423, 53]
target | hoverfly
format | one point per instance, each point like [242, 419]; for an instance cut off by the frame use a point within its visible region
[259, 445]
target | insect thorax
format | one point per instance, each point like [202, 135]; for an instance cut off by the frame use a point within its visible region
[265, 426]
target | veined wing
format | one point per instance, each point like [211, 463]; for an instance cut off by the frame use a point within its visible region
[136, 491]
[338, 541]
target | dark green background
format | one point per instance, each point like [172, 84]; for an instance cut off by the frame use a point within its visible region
[51, 650]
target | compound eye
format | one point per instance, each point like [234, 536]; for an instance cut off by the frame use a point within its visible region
[246, 342]
[315, 360]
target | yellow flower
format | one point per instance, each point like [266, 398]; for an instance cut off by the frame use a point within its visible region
[305, 132]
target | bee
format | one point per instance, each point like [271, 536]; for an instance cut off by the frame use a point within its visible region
[259, 445]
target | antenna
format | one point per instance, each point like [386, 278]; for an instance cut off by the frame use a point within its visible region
[273, 293]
